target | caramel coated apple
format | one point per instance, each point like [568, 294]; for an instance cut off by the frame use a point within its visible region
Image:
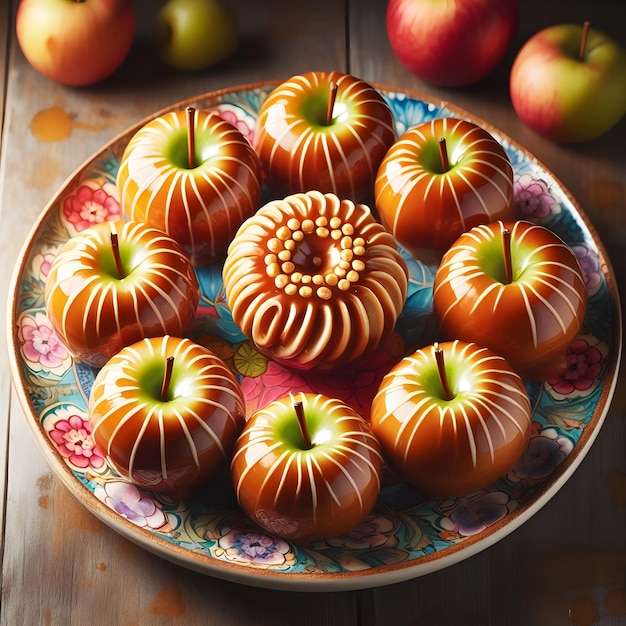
[166, 412]
[323, 130]
[438, 180]
[198, 194]
[116, 283]
[314, 281]
[531, 316]
[451, 418]
[307, 482]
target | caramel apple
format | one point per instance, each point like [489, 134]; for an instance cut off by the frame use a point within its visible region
[451, 418]
[323, 130]
[166, 412]
[193, 175]
[514, 287]
[438, 180]
[314, 281]
[116, 283]
[307, 467]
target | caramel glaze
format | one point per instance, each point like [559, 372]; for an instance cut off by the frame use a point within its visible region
[314, 281]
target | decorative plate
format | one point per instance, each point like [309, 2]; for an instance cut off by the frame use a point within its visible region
[407, 535]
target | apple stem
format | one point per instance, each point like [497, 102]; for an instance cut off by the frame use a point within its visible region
[191, 136]
[304, 430]
[583, 41]
[332, 96]
[443, 153]
[506, 253]
[167, 377]
[115, 249]
[441, 370]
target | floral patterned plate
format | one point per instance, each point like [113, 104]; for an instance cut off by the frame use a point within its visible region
[407, 535]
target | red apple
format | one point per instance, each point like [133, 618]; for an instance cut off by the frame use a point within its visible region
[441, 178]
[451, 418]
[307, 467]
[323, 130]
[193, 175]
[314, 281]
[116, 283]
[568, 83]
[166, 413]
[451, 43]
[75, 42]
[514, 287]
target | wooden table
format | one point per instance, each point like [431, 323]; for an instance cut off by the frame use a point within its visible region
[61, 565]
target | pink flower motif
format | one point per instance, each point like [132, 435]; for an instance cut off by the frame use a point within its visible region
[590, 266]
[544, 452]
[40, 344]
[254, 549]
[74, 442]
[356, 389]
[91, 204]
[276, 383]
[238, 118]
[126, 500]
[473, 514]
[373, 532]
[41, 264]
[584, 367]
[532, 198]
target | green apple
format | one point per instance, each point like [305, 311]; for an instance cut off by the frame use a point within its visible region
[307, 467]
[326, 131]
[192, 35]
[438, 180]
[568, 83]
[451, 418]
[166, 412]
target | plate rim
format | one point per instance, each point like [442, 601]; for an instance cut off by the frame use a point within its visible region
[326, 581]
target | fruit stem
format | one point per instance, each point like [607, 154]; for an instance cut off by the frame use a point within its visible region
[443, 153]
[167, 377]
[441, 370]
[304, 429]
[115, 249]
[332, 96]
[583, 40]
[191, 136]
[506, 253]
